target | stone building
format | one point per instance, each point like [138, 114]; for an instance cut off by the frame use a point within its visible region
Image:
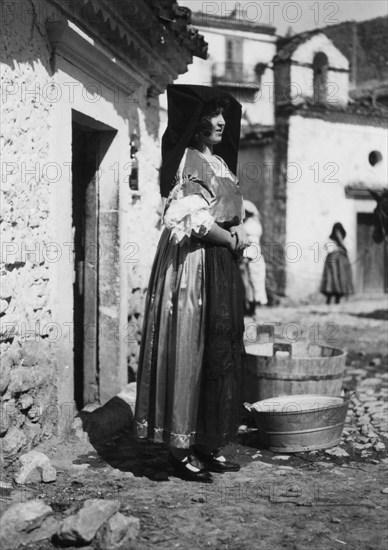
[330, 148]
[80, 203]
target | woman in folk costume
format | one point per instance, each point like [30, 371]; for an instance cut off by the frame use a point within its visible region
[337, 278]
[192, 342]
[252, 265]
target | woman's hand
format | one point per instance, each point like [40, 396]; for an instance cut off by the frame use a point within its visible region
[242, 237]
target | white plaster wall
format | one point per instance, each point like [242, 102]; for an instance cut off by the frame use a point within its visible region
[336, 155]
[320, 43]
[139, 216]
[302, 86]
[302, 76]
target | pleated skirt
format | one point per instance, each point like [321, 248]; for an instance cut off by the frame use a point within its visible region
[190, 362]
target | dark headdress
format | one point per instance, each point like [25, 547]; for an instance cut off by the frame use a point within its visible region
[337, 227]
[186, 105]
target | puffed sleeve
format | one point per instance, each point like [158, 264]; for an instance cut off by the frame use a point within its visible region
[187, 207]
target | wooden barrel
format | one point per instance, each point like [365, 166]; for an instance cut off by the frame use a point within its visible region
[277, 369]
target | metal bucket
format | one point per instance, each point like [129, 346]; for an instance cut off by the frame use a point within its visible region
[291, 369]
[291, 424]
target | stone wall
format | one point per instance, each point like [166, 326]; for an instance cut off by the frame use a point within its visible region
[36, 349]
[28, 368]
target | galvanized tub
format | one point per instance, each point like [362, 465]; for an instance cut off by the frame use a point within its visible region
[297, 423]
[291, 369]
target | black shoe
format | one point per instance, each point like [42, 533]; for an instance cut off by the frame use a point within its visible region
[213, 464]
[182, 468]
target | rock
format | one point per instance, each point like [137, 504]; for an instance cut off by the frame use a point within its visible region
[337, 451]
[363, 420]
[48, 528]
[36, 466]
[370, 382]
[25, 402]
[128, 394]
[5, 373]
[3, 306]
[33, 413]
[376, 361]
[80, 528]
[12, 443]
[19, 520]
[281, 457]
[22, 380]
[361, 446]
[376, 407]
[77, 427]
[5, 420]
[366, 429]
[117, 531]
[379, 446]
[385, 491]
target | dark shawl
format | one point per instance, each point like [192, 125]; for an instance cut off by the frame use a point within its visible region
[186, 105]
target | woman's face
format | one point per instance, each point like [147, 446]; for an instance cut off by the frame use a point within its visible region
[217, 127]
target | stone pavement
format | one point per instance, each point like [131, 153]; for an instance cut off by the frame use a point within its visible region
[333, 498]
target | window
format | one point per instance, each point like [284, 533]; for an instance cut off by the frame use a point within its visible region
[320, 68]
[234, 59]
[375, 157]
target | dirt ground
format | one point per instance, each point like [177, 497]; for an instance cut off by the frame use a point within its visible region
[297, 502]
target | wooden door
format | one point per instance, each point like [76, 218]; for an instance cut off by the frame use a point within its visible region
[371, 266]
[85, 162]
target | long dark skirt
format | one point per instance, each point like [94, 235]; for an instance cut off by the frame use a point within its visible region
[220, 397]
[337, 274]
[192, 346]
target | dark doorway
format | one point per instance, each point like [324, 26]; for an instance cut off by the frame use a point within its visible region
[89, 145]
[371, 267]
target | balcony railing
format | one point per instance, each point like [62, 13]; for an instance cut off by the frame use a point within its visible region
[239, 74]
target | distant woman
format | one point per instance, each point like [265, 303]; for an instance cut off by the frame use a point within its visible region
[337, 273]
[252, 264]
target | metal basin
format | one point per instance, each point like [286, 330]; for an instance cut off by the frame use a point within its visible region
[295, 423]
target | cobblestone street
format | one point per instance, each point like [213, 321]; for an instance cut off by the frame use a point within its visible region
[326, 499]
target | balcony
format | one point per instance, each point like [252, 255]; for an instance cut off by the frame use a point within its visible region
[231, 74]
